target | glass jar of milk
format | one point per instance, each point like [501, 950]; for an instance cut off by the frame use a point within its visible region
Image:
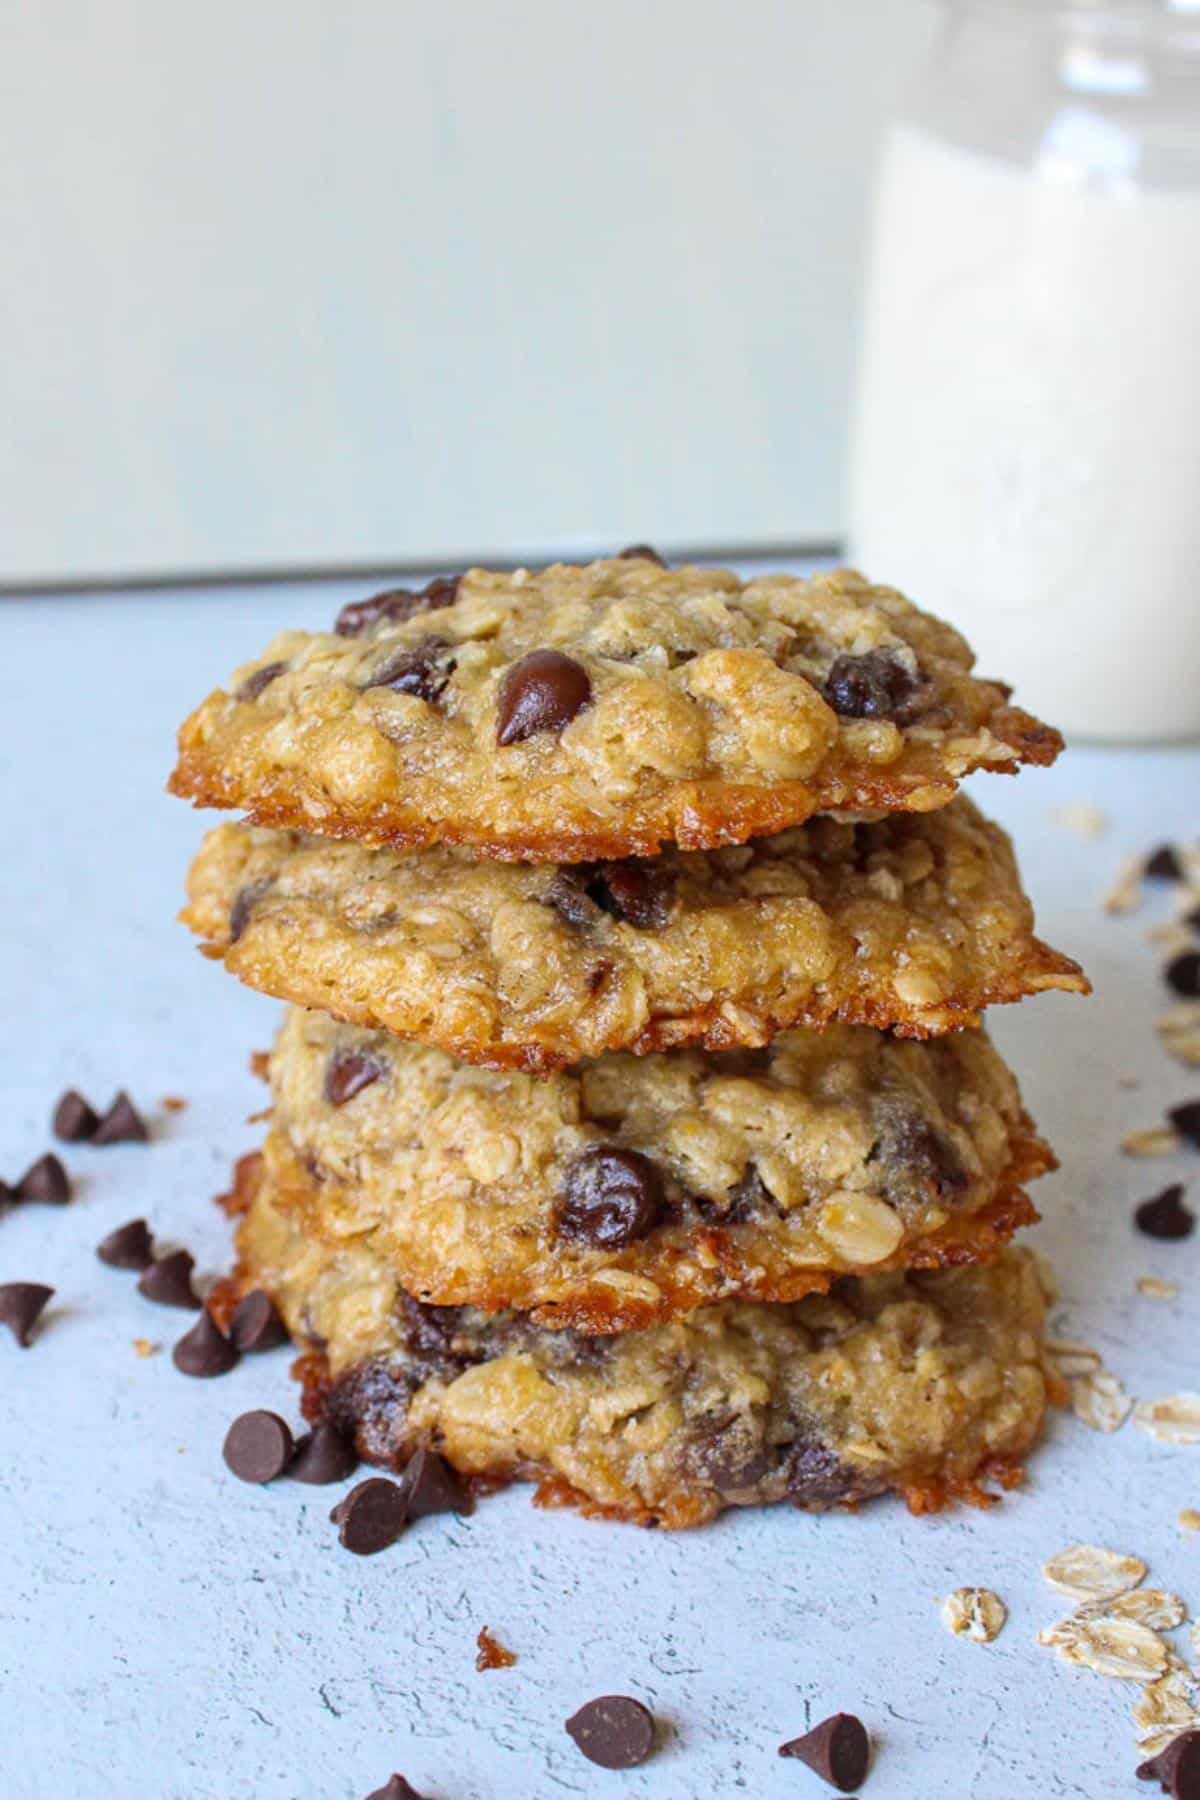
[1026, 452]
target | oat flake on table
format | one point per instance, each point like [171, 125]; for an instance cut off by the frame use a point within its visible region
[1175, 1419]
[1120, 1648]
[1100, 1401]
[975, 1613]
[1089, 1572]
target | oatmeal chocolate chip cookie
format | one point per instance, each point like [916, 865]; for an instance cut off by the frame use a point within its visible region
[922, 1383]
[912, 923]
[638, 1188]
[577, 713]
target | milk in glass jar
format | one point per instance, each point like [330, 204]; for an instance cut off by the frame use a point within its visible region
[1026, 449]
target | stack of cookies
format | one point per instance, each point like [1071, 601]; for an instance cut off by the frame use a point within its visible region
[633, 1129]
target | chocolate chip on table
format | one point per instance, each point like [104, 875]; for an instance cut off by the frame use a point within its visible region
[130, 1246]
[372, 1516]
[258, 1447]
[1177, 1768]
[205, 1351]
[322, 1455]
[262, 678]
[542, 692]
[1163, 864]
[396, 1789]
[1165, 1215]
[1186, 1121]
[348, 1072]
[875, 685]
[395, 605]
[423, 669]
[256, 1325]
[838, 1750]
[640, 553]
[1182, 974]
[610, 1197]
[431, 1485]
[168, 1281]
[21, 1305]
[74, 1120]
[121, 1124]
[615, 1732]
[46, 1181]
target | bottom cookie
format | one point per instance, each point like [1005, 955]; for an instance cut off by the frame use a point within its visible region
[925, 1383]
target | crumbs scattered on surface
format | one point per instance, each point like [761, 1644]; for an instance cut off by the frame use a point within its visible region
[491, 1653]
[1154, 1289]
[1189, 1519]
[173, 1103]
[145, 1347]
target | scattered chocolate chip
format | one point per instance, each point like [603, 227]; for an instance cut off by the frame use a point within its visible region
[74, 1120]
[204, 1351]
[876, 685]
[432, 1486]
[168, 1281]
[256, 1325]
[838, 1750]
[258, 1447]
[371, 1517]
[348, 1072]
[610, 1197]
[614, 1731]
[396, 1789]
[322, 1455]
[128, 1247]
[1165, 1215]
[491, 1653]
[21, 1305]
[542, 692]
[1177, 1768]
[1163, 864]
[640, 553]
[396, 605]
[45, 1180]
[1182, 974]
[121, 1124]
[262, 678]
[1186, 1120]
[422, 669]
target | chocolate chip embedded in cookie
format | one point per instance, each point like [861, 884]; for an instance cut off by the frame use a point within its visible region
[634, 1188]
[912, 923]
[907, 1381]
[576, 713]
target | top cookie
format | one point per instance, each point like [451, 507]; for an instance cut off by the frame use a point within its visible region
[576, 713]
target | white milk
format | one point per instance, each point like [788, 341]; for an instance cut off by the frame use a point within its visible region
[1027, 452]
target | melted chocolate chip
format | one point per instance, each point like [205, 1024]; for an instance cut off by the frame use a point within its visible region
[168, 1281]
[815, 1476]
[46, 1181]
[750, 1198]
[322, 1455]
[614, 1732]
[640, 553]
[729, 1454]
[635, 891]
[396, 605]
[262, 678]
[256, 1325]
[204, 1351]
[258, 1447]
[348, 1073]
[422, 669]
[128, 1247]
[243, 905]
[371, 1517]
[21, 1306]
[542, 692]
[432, 1486]
[431, 1338]
[1165, 1215]
[610, 1197]
[74, 1120]
[121, 1124]
[838, 1750]
[876, 685]
[911, 1149]
[369, 1405]
[1182, 974]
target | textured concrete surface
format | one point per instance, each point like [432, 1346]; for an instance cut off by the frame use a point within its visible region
[168, 1634]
